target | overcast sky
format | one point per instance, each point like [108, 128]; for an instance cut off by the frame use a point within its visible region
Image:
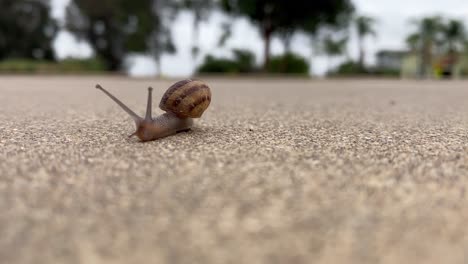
[393, 25]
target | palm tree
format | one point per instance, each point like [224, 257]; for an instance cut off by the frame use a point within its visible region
[413, 41]
[454, 34]
[334, 47]
[429, 32]
[364, 27]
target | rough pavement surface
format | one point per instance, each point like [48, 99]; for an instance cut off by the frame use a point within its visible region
[276, 171]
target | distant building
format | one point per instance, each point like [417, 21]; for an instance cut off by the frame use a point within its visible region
[443, 65]
[391, 59]
[410, 68]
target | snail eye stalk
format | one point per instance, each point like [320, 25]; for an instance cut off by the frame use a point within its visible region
[135, 117]
[148, 116]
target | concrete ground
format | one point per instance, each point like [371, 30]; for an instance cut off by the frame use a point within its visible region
[276, 171]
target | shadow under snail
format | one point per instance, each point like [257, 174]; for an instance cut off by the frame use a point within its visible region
[183, 101]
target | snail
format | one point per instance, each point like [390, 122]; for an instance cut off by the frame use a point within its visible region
[183, 101]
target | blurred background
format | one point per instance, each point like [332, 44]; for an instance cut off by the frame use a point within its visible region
[172, 38]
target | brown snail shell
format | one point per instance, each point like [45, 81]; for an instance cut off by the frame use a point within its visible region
[186, 99]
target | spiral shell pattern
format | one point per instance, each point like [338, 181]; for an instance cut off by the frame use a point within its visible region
[186, 98]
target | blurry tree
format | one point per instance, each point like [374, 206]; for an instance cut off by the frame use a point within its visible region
[26, 29]
[412, 41]
[160, 40]
[243, 62]
[112, 27]
[226, 33]
[282, 18]
[350, 68]
[288, 63]
[115, 28]
[439, 36]
[334, 47]
[316, 48]
[216, 65]
[454, 38]
[364, 27]
[429, 31]
[201, 10]
[455, 35]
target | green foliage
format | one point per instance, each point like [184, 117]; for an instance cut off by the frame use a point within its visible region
[20, 65]
[364, 27]
[243, 62]
[455, 35]
[117, 27]
[218, 65]
[201, 9]
[352, 68]
[26, 30]
[103, 24]
[288, 63]
[334, 47]
[272, 15]
[412, 41]
[81, 65]
[283, 18]
[436, 35]
[42, 66]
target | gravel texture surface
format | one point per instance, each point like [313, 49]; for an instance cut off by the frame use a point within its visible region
[276, 171]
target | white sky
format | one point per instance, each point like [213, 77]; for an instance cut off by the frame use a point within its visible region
[393, 25]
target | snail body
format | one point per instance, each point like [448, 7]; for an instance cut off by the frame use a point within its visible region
[182, 102]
